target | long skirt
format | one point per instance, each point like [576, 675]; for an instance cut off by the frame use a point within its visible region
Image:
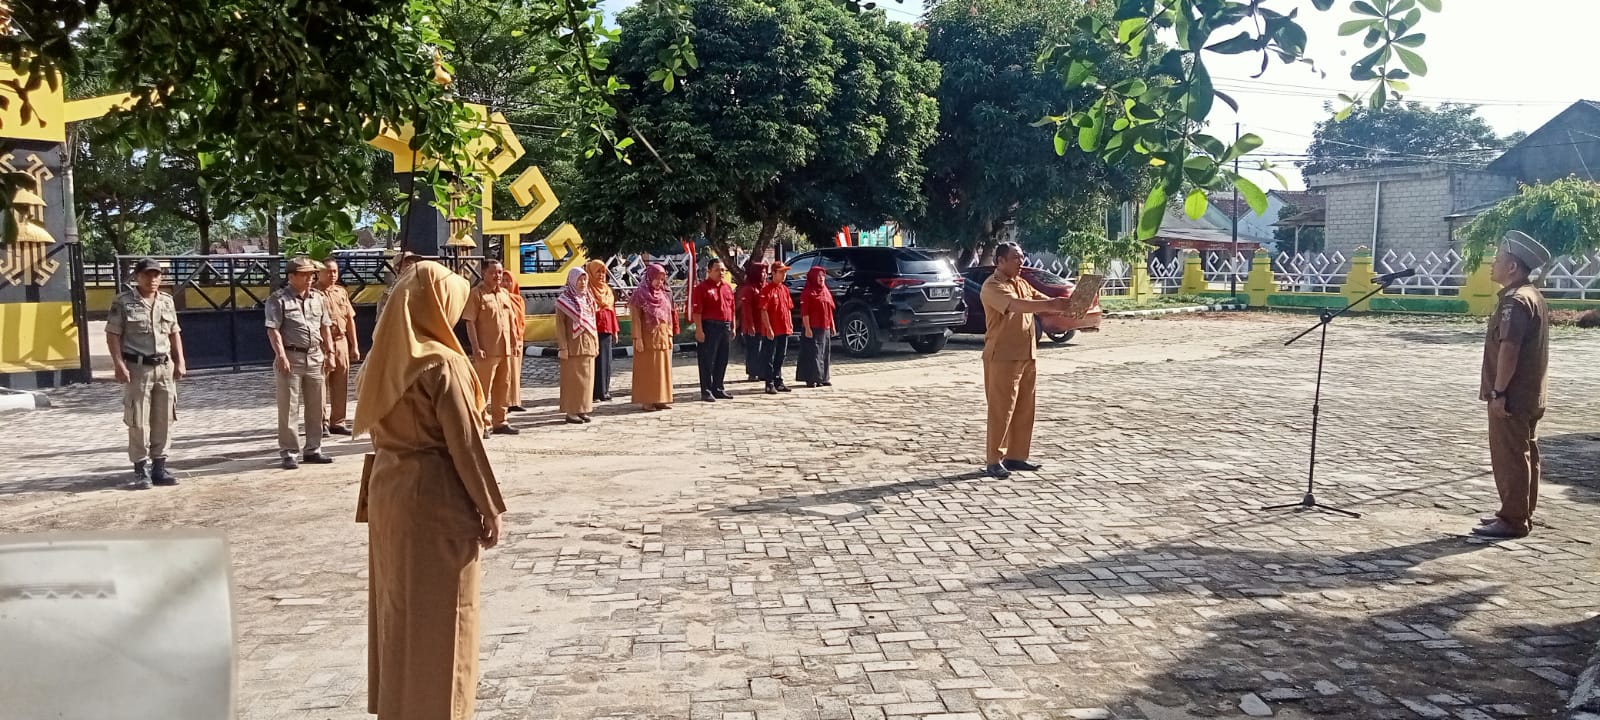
[422, 631]
[815, 357]
[652, 377]
[602, 367]
[577, 385]
[754, 365]
[516, 381]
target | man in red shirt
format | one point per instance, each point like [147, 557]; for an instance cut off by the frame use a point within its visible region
[713, 330]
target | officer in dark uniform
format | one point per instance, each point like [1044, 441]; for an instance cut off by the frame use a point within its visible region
[147, 351]
[1516, 358]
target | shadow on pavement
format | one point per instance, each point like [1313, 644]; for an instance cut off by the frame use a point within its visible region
[1573, 461]
[1431, 659]
[858, 495]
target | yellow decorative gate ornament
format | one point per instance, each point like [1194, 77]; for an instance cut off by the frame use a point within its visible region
[27, 261]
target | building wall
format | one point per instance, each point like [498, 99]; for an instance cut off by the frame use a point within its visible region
[1416, 200]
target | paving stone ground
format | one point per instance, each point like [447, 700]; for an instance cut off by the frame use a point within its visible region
[834, 555]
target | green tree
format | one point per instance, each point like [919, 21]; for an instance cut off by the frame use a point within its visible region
[798, 113]
[1563, 215]
[1401, 134]
[1160, 117]
[991, 173]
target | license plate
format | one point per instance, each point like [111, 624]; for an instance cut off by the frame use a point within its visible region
[939, 293]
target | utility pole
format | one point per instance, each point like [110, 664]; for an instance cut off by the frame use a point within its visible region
[1233, 271]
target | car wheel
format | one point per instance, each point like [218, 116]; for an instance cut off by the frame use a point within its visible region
[1061, 338]
[929, 344]
[860, 335]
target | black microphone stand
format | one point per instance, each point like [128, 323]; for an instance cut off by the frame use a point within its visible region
[1309, 502]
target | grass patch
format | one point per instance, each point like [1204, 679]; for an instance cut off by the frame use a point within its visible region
[1156, 302]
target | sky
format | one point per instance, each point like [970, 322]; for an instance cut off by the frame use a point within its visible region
[1521, 67]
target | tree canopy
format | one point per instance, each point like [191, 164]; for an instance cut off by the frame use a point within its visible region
[1401, 134]
[798, 113]
[991, 172]
[1563, 215]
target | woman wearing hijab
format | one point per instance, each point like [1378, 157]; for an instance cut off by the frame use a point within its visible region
[777, 324]
[429, 499]
[605, 323]
[579, 343]
[816, 319]
[655, 322]
[748, 304]
[519, 329]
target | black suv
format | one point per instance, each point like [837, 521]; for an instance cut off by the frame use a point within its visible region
[884, 294]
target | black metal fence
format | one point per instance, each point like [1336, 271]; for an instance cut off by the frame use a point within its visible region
[220, 298]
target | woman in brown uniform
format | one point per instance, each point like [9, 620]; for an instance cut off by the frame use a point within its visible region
[579, 342]
[430, 500]
[655, 322]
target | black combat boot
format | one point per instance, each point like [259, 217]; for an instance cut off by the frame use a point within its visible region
[160, 475]
[141, 479]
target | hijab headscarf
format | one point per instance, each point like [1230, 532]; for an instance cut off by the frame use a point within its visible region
[752, 274]
[415, 332]
[519, 326]
[655, 303]
[817, 289]
[576, 303]
[600, 285]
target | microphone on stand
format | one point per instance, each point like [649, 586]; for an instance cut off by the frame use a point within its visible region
[1388, 278]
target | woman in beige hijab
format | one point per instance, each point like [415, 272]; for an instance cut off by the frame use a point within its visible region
[430, 500]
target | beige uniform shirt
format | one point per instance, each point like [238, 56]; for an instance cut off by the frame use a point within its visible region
[299, 319]
[1008, 334]
[146, 326]
[340, 311]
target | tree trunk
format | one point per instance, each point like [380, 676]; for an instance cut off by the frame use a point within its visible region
[769, 230]
[275, 280]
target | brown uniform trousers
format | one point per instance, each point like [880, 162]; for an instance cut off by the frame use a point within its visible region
[1514, 455]
[495, 374]
[1008, 386]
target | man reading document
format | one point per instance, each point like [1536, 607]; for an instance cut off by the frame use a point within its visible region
[1009, 304]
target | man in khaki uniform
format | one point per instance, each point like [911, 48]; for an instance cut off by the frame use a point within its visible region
[301, 333]
[1516, 356]
[490, 315]
[147, 351]
[1009, 304]
[345, 351]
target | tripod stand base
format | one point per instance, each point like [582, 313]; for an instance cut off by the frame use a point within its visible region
[1309, 502]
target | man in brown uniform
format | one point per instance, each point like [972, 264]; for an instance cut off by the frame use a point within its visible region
[402, 263]
[1009, 304]
[1516, 355]
[345, 350]
[490, 315]
[301, 333]
[146, 347]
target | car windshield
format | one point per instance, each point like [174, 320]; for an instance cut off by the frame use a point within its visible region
[905, 262]
[1046, 277]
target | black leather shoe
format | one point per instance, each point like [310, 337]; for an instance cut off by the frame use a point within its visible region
[505, 430]
[317, 459]
[586, 418]
[574, 420]
[1020, 465]
[160, 475]
[722, 394]
[338, 430]
[289, 463]
[997, 470]
[1500, 530]
[706, 397]
[783, 388]
[771, 389]
[516, 408]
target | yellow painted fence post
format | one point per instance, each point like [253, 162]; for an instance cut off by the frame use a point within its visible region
[1139, 289]
[1481, 293]
[1259, 285]
[1194, 275]
[1359, 281]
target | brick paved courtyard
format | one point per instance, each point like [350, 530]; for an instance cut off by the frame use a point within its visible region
[834, 555]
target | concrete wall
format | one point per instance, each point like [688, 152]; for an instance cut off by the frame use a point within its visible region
[1416, 200]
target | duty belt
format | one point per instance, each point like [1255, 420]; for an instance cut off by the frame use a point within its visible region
[150, 360]
[297, 349]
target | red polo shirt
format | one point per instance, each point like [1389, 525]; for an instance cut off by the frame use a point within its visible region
[777, 304]
[714, 301]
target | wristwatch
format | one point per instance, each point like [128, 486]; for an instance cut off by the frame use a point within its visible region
[1496, 394]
